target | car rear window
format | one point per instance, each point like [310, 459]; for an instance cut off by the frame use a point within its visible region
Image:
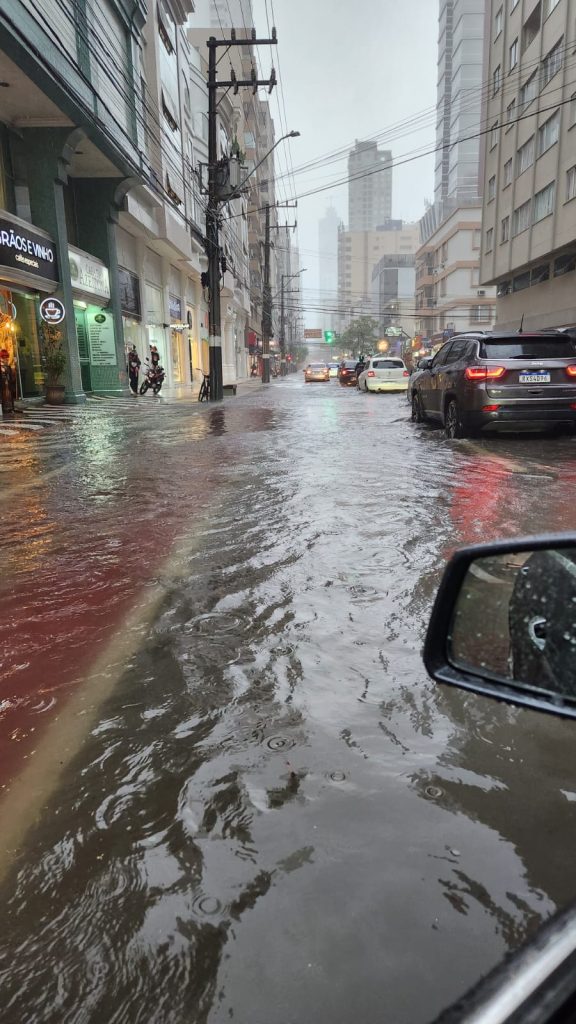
[349, 366]
[317, 366]
[561, 347]
[387, 364]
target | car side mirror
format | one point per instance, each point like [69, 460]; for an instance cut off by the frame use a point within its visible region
[425, 363]
[504, 623]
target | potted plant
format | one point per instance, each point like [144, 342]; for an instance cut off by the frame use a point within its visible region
[53, 364]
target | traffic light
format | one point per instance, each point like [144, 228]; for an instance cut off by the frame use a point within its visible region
[328, 337]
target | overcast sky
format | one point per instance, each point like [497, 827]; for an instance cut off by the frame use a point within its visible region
[352, 70]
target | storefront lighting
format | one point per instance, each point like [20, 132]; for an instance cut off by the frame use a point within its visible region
[80, 305]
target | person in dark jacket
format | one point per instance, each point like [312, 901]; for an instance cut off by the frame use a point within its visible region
[134, 365]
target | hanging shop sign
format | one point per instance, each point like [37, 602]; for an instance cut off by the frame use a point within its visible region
[88, 274]
[22, 249]
[129, 293]
[52, 311]
[101, 337]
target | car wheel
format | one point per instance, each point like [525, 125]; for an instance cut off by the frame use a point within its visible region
[417, 414]
[452, 423]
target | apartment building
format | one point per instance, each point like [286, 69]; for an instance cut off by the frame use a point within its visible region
[529, 212]
[449, 296]
[393, 286]
[358, 254]
[369, 186]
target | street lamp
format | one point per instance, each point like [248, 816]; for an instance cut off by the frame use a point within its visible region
[285, 277]
[290, 135]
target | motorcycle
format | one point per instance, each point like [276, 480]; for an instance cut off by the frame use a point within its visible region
[154, 379]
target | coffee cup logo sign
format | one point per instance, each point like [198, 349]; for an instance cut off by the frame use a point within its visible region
[52, 311]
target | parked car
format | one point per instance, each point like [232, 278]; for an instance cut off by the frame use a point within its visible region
[384, 373]
[488, 382]
[347, 373]
[333, 367]
[316, 371]
[422, 364]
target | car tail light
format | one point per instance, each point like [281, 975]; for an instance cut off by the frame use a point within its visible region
[405, 374]
[571, 371]
[484, 372]
[371, 373]
[490, 408]
[573, 405]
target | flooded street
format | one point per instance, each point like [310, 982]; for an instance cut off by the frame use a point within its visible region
[229, 790]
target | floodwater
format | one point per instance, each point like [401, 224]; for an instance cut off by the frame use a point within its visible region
[229, 790]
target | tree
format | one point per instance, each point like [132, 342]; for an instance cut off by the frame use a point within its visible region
[360, 335]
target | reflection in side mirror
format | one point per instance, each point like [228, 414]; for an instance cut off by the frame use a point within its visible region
[424, 363]
[504, 623]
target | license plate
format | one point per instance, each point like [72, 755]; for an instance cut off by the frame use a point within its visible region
[535, 378]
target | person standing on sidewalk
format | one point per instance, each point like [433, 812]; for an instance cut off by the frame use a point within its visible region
[134, 365]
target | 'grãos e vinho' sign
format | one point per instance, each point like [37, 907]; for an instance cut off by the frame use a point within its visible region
[24, 249]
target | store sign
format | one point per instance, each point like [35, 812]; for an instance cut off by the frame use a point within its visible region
[175, 306]
[101, 338]
[52, 311]
[22, 249]
[393, 332]
[313, 332]
[129, 293]
[88, 275]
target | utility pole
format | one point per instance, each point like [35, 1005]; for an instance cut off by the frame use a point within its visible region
[266, 303]
[267, 293]
[217, 193]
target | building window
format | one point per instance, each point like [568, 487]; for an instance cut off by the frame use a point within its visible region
[508, 173]
[514, 4]
[573, 109]
[531, 27]
[513, 55]
[489, 239]
[505, 229]
[548, 133]
[496, 80]
[528, 91]
[491, 188]
[476, 238]
[511, 112]
[521, 282]
[503, 288]
[540, 274]
[521, 218]
[494, 135]
[571, 183]
[525, 156]
[498, 22]
[551, 63]
[544, 202]
[549, 6]
[565, 264]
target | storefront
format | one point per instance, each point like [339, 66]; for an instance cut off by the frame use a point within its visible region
[177, 327]
[131, 306]
[94, 322]
[28, 272]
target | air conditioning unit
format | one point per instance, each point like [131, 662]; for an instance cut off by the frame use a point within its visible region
[481, 293]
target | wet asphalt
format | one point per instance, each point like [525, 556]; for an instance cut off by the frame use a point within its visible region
[229, 792]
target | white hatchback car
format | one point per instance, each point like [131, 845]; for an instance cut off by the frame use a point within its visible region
[384, 373]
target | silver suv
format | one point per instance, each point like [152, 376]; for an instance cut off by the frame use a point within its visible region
[480, 382]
